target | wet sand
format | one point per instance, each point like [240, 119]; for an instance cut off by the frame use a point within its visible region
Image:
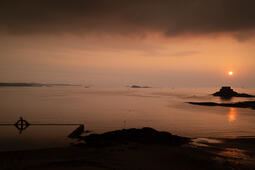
[202, 153]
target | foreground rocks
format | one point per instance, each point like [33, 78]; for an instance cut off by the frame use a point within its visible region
[141, 136]
[143, 148]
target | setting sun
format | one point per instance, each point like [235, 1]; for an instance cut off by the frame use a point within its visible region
[230, 73]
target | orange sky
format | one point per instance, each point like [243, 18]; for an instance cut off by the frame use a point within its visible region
[102, 60]
[177, 43]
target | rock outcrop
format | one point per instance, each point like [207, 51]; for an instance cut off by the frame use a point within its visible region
[245, 104]
[136, 86]
[143, 136]
[227, 92]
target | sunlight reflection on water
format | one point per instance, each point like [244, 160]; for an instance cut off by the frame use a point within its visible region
[234, 153]
[102, 110]
[204, 142]
[232, 114]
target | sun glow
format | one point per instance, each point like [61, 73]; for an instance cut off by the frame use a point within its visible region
[230, 73]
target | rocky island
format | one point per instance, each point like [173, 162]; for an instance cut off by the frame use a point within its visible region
[137, 86]
[227, 92]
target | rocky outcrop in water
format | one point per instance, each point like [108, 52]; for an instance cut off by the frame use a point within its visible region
[245, 104]
[227, 92]
[136, 86]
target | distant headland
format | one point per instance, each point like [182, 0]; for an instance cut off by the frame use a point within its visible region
[32, 85]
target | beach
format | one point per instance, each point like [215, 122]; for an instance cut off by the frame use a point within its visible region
[199, 153]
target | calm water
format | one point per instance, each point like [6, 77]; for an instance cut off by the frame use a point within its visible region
[109, 109]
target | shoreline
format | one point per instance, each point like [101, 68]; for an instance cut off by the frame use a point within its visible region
[229, 153]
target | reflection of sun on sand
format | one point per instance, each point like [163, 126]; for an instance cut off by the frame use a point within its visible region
[232, 114]
[234, 153]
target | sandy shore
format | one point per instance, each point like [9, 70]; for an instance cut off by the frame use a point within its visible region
[202, 153]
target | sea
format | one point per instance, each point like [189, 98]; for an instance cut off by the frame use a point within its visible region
[107, 109]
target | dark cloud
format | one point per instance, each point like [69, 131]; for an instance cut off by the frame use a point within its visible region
[127, 16]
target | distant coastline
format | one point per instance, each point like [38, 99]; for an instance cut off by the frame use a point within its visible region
[33, 85]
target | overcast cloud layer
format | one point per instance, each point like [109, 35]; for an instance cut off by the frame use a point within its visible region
[127, 16]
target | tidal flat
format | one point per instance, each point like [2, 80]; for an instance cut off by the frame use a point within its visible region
[196, 153]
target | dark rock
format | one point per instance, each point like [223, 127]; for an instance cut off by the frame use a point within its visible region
[20, 85]
[77, 132]
[226, 92]
[136, 86]
[245, 104]
[142, 136]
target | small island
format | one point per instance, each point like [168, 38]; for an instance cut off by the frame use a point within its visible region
[227, 92]
[137, 86]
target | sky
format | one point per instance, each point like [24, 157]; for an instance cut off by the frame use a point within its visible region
[159, 43]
